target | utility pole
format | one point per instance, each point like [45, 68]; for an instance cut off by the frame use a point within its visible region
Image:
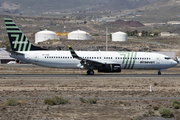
[106, 39]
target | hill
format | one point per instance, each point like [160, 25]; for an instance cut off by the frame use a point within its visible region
[129, 23]
[124, 4]
[160, 11]
[39, 6]
[150, 10]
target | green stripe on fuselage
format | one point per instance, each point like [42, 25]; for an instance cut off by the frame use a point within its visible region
[130, 60]
[127, 61]
[134, 60]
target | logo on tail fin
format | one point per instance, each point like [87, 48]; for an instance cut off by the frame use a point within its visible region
[18, 41]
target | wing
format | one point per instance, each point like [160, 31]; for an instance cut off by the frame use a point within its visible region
[86, 63]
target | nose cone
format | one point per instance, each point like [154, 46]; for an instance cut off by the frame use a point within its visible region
[173, 63]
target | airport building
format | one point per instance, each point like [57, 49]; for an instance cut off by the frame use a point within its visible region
[119, 36]
[168, 34]
[45, 35]
[79, 35]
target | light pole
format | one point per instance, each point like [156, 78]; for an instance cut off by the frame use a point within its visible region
[106, 39]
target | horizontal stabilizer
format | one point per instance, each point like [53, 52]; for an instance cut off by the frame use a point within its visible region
[15, 52]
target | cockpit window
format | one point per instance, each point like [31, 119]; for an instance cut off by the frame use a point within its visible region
[167, 58]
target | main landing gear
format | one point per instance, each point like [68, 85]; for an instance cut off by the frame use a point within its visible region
[90, 72]
[159, 73]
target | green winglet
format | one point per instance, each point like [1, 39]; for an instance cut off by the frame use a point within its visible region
[73, 53]
[69, 46]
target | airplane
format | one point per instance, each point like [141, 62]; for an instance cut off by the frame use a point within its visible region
[103, 61]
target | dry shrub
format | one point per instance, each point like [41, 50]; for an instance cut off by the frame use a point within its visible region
[11, 102]
[175, 102]
[156, 107]
[166, 112]
[92, 101]
[55, 101]
[82, 100]
[176, 106]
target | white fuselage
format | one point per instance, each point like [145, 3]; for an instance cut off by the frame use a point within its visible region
[127, 60]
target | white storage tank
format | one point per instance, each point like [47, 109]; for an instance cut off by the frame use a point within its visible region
[79, 35]
[45, 35]
[119, 36]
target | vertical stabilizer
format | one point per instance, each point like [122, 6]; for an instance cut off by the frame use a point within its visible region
[18, 41]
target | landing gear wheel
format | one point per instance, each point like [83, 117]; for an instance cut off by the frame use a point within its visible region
[90, 72]
[159, 73]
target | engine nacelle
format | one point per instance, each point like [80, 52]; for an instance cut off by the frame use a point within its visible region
[110, 68]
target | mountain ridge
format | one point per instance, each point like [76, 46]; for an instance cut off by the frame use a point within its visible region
[21, 6]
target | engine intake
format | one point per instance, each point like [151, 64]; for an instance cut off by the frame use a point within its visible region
[110, 68]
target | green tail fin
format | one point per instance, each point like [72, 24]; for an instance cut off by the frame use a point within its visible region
[18, 41]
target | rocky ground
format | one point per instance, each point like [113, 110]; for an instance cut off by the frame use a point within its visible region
[118, 98]
[99, 43]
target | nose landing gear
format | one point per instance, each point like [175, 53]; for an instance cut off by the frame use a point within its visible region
[159, 73]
